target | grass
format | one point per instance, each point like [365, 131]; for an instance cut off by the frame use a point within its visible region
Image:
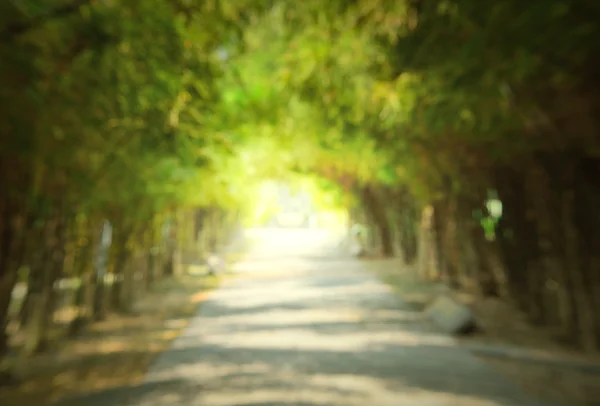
[113, 352]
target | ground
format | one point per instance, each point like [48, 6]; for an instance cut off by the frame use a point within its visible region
[305, 324]
[506, 341]
[116, 351]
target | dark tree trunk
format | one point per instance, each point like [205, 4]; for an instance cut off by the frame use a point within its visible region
[585, 274]
[377, 214]
[8, 275]
[517, 237]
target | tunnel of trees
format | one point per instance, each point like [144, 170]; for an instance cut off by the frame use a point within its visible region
[160, 117]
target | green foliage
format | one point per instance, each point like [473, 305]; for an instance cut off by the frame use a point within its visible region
[139, 106]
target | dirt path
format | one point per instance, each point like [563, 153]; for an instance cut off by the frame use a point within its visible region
[304, 326]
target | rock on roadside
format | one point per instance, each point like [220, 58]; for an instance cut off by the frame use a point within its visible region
[450, 315]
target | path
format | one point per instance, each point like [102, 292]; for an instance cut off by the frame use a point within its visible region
[302, 326]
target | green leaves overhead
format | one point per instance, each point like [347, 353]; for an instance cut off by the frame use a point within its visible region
[192, 102]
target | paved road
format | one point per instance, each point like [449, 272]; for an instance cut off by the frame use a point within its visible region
[305, 326]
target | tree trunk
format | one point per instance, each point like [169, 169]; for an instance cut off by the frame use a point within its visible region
[35, 340]
[99, 278]
[38, 292]
[150, 268]
[83, 300]
[8, 272]
[408, 224]
[33, 239]
[427, 262]
[585, 246]
[129, 273]
[447, 267]
[173, 263]
[35, 284]
[118, 293]
[479, 257]
[376, 212]
[517, 239]
[43, 302]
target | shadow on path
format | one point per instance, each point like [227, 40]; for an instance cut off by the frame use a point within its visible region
[429, 373]
[324, 333]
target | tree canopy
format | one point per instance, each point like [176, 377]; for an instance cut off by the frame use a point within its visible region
[145, 98]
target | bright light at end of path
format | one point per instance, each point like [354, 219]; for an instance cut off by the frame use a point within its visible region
[299, 204]
[288, 241]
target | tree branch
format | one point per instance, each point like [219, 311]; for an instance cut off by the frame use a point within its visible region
[11, 31]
